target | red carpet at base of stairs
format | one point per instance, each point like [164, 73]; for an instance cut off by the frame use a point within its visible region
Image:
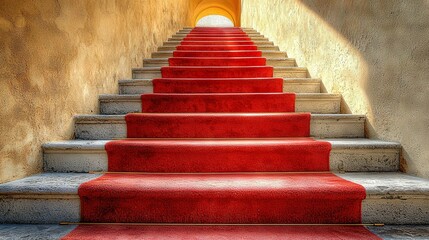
[218, 102]
[218, 61]
[129, 232]
[290, 198]
[189, 155]
[218, 85]
[217, 125]
[217, 72]
[234, 53]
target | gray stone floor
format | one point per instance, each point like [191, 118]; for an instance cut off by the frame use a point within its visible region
[32, 232]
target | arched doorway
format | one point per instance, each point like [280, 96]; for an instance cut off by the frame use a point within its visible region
[229, 9]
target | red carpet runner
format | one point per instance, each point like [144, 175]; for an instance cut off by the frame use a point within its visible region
[104, 232]
[213, 144]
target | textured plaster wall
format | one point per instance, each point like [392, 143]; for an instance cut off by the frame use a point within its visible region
[374, 52]
[57, 56]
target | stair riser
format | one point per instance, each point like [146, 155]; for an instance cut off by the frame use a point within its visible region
[39, 209]
[247, 31]
[36, 209]
[260, 47]
[147, 87]
[177, 43]
[302, 105]
[347, 160]
[142, 73]
[270, 62]
[329, 128]
[267, 54]
[252, 37]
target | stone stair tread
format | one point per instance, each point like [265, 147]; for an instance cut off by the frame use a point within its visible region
[114, 97]
[337, 143]
[159, 68]
[291, 80]
[166, 59]
[347, 155]
[98, 117]
[378, 185]
[392, 198]
[171, 51]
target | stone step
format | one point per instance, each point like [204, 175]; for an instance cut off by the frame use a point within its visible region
[297, 85]
[99, 127]
[274, 62]
[285, 72]
[347, 155]
[391, 198]
[55, 231]
[244, 30]
[305, 102]
[267, 54]
[179, 37]
[260, 47]
[256, 42]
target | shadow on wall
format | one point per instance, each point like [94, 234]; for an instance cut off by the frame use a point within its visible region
[393, 39]
[375, 53]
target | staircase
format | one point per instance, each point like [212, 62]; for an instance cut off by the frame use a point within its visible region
[218, 133]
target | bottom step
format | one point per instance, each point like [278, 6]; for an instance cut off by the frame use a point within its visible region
[18, 232]
[391, 198]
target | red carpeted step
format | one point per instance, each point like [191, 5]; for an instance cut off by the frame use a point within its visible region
[217, 85]
[217, 125]
[217, 72]
[216, 31]
[218, 102]
[242, 34]
[217, 61]
[205, 43]
[216, 47]
[226, 155]
[131, 232]
[221, 198]
[183, 53]
[217, 38]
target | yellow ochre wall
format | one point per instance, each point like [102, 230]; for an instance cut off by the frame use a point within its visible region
[374, 52]
[57, 56]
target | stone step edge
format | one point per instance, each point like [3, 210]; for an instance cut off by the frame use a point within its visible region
[148, 82]
[347, 155]
[137, 97]
[259, 47]
[297, 85]
[97, 118]
[165, 60]
[98, 127]
[392, 198]
[264, 52]
[255, 42]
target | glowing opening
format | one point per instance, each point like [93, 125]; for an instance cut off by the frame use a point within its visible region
[215, 21]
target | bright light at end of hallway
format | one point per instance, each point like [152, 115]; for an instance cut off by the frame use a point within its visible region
[215, 21]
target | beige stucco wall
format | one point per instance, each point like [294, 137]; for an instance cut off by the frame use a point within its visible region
[57, 56]
[374, 52]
